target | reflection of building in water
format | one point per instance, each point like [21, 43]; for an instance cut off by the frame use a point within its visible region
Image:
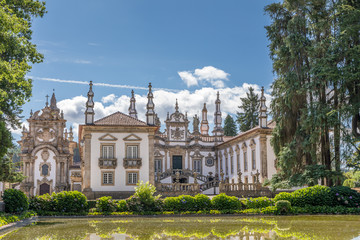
[119, 150]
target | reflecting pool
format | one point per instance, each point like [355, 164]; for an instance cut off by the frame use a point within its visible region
[234, 227]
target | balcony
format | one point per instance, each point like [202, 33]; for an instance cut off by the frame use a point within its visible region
[107, 163]
[132, 163]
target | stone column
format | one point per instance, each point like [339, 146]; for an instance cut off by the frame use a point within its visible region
[151, 159]
[86, 185]
[263, 157]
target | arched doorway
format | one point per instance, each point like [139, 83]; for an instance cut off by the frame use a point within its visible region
[44, 188]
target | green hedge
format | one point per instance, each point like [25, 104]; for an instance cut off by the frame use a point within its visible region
[260, 202]
[224, 202]
[15, 201]
[66, 201]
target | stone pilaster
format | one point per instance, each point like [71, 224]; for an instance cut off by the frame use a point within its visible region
[263, 156]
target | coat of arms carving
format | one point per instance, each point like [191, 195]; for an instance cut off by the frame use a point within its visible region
[177, 133]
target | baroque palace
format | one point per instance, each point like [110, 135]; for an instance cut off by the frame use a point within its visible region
[115, 152]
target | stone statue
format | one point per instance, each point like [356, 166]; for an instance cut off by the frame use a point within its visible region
[196, 124]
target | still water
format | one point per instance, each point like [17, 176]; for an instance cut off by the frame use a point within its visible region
[282, 227]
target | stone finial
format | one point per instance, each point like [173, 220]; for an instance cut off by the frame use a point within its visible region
[218, 131]
[132, 108]
[89, 112]
[150, 113]
[263, 110]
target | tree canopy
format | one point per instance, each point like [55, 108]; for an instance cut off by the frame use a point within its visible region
[314, 46]
[17, 53]
[249, 118]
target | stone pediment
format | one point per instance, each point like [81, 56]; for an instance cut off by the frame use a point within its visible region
[107, 137]
[132, 137]
[177, 117]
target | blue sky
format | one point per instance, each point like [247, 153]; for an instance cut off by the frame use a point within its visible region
[190, 49]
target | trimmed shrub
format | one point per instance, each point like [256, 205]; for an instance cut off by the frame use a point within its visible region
[202, 202]
[283, 206]
[345, 196]
[315, 196]
[222, 202]
[42, 203]
[69, 201]
[260, 202]
[171, 204]
[121, 206]
[15, 201]
[283, 196]
[105, 204]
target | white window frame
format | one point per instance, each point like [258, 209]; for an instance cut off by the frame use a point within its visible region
[132, 178]
[107, 178]
[107, 152]
[157, 165]
[132, 151]
[197, 165]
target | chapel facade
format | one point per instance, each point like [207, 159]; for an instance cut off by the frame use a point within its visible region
[119, 150]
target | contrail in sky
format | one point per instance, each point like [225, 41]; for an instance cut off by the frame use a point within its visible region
[99, 84]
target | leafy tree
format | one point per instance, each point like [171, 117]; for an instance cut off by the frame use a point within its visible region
[315, 50]
[229, 126]
[17, 53]
[249, 118]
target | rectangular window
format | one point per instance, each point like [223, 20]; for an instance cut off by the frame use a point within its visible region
[246, 180]
[197, 166]
[132, 178]
[107, 152]
[132, 151]
[254, 179]
[253, 159]
[157, 165]
[108, 178]
[245, 162]
[232, 164]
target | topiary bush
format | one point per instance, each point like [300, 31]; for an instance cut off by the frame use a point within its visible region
[69, 201]
[15, 201]
[345, 196]
[105, 204]
[260, 202]
[202, 202]
[315, 196]
[42, 203]
[283, 206]
[283, 196]
[224, 202]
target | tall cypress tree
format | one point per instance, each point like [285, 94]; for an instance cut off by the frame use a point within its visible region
[249, 118]
[229, 126]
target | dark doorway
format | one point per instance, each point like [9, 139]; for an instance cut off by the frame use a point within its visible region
[177, 162]
[44, 188]
[181, 180]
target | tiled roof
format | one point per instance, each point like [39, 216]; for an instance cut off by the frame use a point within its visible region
[119, 119]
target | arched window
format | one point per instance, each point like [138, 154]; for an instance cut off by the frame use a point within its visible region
[45, 170]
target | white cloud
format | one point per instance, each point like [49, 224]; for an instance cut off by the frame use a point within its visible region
[206, 75]
[108, 99]
[81, 61]
[188, 78]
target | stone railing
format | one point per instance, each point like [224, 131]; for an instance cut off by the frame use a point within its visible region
[132, 162]
[176, 189]
[241, 189]
[105, 163]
